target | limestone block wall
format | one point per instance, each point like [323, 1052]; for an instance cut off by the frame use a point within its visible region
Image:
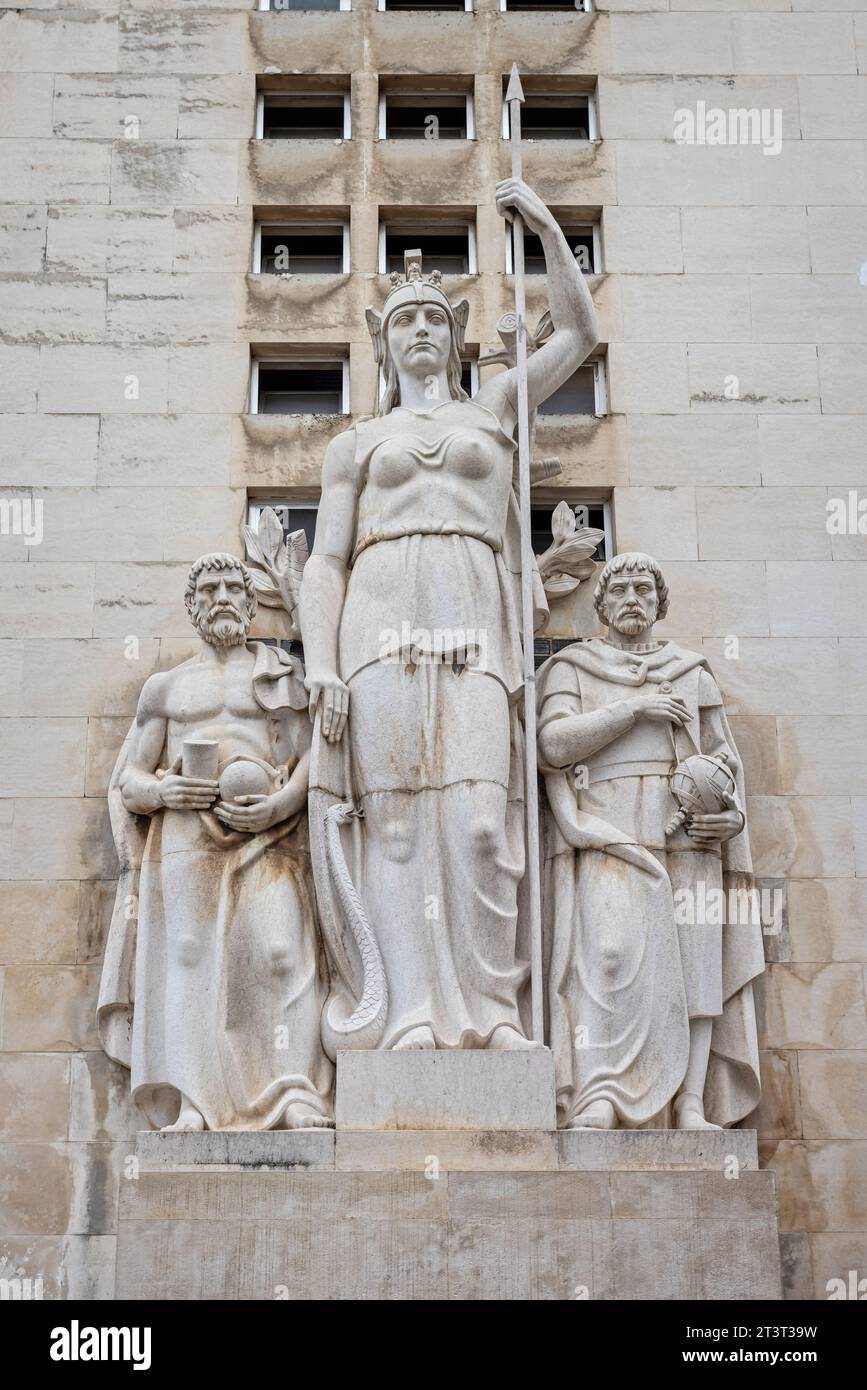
[130, 178]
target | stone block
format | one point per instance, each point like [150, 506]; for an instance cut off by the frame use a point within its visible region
[42, 757]
[815, 1006]
[49, 449]
[685, 1259]
[824, 451]
[659, 519]
[213, 239]
[779, 676]
[642, 240]
[778, 1114]
[100, 1105]
[838, 1263]
[637, 107]
[656, 1150]
[731, 378]
[217, 377]
[99, 678]
[173, 41]
[821, 1183]
[143, 600]
[36, 1189]
[686, 308]
[103, 377]
[41, 41]
[60, 837]
[113, 106]
[717, 598]
[93, 240]
[648, 380]
[176, 309]
[285, 1150]
[38, 923]
[817, 600]
[817, 757]
[801, 837]
[221, 107]
[164, 450]
[762, 523]
[842, 369]
[50, 1008]
[443, 1151]
[833, 1094]
[178, 1260]
[38, 171]
[804, 172]
[445, 1090]
[22, 239]
[795, 308]
[25, 103]
[672, 43]
[796, 1269]
[837, 238]
[34, 1097]
[826, 918]
[69, 1267]
[53, 308]
[183, 172]
[55, 601]
[685, 450]
[738, 240]
[18, 377]
[797, 43]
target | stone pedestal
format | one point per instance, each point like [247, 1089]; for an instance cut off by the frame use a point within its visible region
[456, 1208]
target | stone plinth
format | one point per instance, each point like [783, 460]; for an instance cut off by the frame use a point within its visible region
[658, 1150]
[459, 1235]
[394, 1090]
[272, 1148]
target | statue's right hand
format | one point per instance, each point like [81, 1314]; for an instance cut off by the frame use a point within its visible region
[179, 793]
[662, 708]
[329, 692]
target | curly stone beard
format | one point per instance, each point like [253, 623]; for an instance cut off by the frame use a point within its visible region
[223, 625]
[634, 623]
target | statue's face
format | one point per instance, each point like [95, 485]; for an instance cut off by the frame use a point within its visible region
[631, 602]
[420, 339]
[220, 607]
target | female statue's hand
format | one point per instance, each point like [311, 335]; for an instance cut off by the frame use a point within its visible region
[328, 689]
[515, 194]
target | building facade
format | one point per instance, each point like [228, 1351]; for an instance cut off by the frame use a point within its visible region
[199, 202]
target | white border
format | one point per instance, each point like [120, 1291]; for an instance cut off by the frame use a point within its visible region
[472, 252]
[259, 227]
[382, 118]
[597, 248]
[260, 111]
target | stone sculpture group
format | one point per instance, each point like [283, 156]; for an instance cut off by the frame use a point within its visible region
[333, 856]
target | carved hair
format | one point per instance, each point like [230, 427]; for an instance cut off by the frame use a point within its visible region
[631, 561]
[219, 560]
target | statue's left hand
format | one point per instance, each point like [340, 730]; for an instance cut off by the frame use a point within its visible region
[716, 826]
[515, 194]
[252, 813]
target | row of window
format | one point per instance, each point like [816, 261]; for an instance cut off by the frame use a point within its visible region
[382, 5]
[310, 384]
[428, 112]
[321, 247]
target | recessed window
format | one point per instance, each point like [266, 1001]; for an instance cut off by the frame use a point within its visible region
[587, 513]
[554, 115]
[299, 386]
[586, 5]
[424, 4]
[293, 514]
[583, 394]
[583, 239]
[303, 116]
[447, 246]
[426, 116]
[303, 248]
[297, 5]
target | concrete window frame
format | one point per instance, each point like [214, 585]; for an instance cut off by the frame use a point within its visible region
[261, 225]
[600, 393]
[383, 5]
[574, 223]
[470, 117]
[260, 109]
[305, 359]
[392, 222]
[586, 6]
[466, 361]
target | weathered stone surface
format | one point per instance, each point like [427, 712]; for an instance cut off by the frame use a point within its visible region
[434, 1152]
[267, 1149]
[445, 1090]
[657, 1150]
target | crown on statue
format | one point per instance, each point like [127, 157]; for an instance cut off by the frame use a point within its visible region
[414, 287]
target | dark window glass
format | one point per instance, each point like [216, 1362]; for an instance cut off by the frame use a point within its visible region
[300, 390]
[408, 117]
[576, 396]
[467, 377]
[540, 524]
[424, 4]
[448, 251]
[543, 5]
[296, 519]
[302, 251]
[580, 240]
[300, 117]
[555, 117]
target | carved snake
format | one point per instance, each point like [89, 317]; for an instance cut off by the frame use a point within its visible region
[363, 1028]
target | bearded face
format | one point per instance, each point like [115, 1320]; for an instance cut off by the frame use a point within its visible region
[631, 602]
[220, 612]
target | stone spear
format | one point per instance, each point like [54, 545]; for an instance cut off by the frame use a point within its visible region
[514, 98]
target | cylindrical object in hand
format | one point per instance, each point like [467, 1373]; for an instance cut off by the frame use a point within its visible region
[201, 758]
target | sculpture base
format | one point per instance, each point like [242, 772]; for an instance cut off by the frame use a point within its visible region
[445, 1090]
[412, 1233]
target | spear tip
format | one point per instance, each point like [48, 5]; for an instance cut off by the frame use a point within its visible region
[514, 91]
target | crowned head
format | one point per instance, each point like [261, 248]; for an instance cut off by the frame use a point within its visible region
[419, 332]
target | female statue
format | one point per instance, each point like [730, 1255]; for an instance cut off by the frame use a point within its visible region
[410, 616]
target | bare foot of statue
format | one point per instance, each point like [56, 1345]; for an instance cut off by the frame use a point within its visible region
[508, 1039]
[189, 1121]
[299, 1115]
[689, 1112]
[416, 1040]
[598, 1115]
